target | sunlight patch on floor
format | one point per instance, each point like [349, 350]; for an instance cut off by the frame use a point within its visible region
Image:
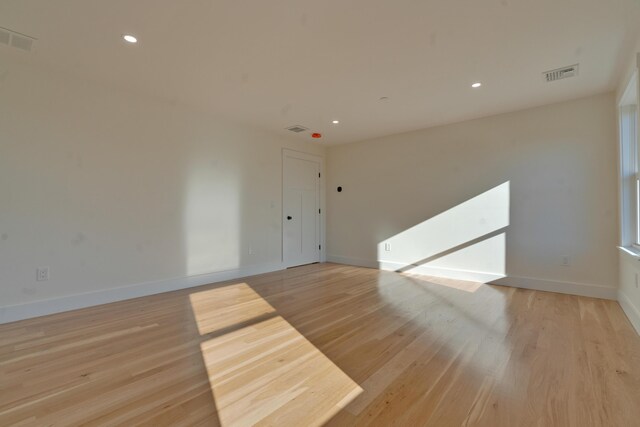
[224, 307]
[260, 368]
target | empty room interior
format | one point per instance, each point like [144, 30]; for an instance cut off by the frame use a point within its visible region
[320, 213]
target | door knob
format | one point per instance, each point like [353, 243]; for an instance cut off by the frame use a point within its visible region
[289, 217]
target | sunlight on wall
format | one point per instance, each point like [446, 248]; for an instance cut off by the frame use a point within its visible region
[211, 218]
[487, 255]
[258, 363]
[467, 238]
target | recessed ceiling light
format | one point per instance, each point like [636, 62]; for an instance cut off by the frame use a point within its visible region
[476, 85]
[129, 38]
[335, 122]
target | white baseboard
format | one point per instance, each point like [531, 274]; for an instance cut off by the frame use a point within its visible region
[632, 312]
[14, 313]
[571, 288]
[449, 273]
[472, 276]
[358, 262]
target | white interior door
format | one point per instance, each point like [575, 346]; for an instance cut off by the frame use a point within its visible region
[301, 209]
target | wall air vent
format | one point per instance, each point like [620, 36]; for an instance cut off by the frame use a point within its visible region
[560, 73]
[297, 129]
[15, 39]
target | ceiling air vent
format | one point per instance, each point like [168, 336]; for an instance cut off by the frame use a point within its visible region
[560, 73]
[297, 128]
[17, 40]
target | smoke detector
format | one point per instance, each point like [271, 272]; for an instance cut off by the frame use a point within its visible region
[560, 73]
[15, 39]
[297, 128]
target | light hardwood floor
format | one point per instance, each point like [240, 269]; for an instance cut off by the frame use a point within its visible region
[327, 344]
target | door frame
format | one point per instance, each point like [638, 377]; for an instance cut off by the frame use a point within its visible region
[287, 152]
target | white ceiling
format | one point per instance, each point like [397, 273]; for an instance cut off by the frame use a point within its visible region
[277, 63]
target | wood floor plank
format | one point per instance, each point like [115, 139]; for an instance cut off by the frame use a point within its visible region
[326, 344]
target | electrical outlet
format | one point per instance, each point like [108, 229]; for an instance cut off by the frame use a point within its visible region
[387, 247]
[566, 261]
[636, 280]
[250, 250]
[42, 274]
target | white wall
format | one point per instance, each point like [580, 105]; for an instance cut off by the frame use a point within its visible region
[508, 195]
[111, 189]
